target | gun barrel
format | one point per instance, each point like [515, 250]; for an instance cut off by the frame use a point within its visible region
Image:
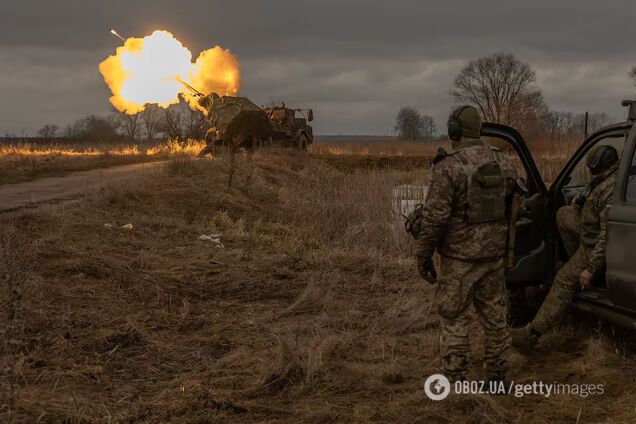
[196, 92]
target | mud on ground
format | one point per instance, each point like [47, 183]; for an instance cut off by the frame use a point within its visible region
[312, 310]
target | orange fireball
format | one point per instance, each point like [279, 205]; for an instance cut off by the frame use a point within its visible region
[149, 70]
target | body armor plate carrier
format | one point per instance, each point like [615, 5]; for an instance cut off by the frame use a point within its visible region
[486, 187]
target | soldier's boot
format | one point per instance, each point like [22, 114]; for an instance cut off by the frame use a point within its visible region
[524, 339]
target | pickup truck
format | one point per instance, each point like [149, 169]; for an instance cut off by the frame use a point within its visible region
[539, 249]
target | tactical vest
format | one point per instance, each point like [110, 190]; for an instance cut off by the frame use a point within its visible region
[486, 188]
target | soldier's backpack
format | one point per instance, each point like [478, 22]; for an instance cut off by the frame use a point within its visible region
[486, 185]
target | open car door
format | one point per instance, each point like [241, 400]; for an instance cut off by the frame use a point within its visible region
[621, 228]
[613, 298]
[534, 244]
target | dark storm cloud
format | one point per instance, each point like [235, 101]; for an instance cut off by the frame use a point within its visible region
[356, 62]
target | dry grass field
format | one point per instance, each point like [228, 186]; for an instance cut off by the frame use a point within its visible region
[24, 161]
[394, 153]
[307, 309]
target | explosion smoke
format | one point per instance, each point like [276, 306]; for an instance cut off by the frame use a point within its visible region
[150, 70]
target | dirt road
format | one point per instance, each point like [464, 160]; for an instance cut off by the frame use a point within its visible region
[14, 196]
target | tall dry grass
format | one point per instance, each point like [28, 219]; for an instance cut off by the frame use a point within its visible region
[86, 149]
[549, 155]
[25, 161]
[390, 147]
[354, 211]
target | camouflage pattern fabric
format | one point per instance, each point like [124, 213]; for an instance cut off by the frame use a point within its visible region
[444, 223]
[565, 284]
[568, 220]
[481, 284]
[583, 230]
[236, 117]
[593, 236]
[472, 267]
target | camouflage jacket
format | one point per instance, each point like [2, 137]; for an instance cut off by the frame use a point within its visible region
[593, 236]
[444, 226]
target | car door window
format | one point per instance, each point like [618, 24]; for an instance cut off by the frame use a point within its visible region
[580, 175]
[630, 190]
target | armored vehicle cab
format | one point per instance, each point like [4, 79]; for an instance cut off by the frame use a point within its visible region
[290, 126]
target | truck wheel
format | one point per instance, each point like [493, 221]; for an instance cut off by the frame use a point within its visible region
[302, 142]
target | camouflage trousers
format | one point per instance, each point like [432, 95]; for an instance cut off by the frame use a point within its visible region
[568, 220]
[566, 283]
[482, 284]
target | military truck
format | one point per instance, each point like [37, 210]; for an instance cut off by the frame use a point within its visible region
[238, 122]
[539, 249]
[289, 128]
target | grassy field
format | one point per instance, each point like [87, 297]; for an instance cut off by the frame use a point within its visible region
[24, 162]
[307, 309]
[393, 153]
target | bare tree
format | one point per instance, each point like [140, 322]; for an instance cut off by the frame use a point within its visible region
[129, 124]
[428, 126]
[93, 128]
[632, 75]
[151, 117]
[180, 122]
[196, 124]
[501, 87]
[411, 125]
[559, 125]
[170, 124]
[48, 131]
[595, 121]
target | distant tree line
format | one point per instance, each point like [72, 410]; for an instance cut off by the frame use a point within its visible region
[411, 125]
[505, 90]
[178, 122]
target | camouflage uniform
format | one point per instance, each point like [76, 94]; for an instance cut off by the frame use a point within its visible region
[568, 220]
[587, 248]
[472, 267]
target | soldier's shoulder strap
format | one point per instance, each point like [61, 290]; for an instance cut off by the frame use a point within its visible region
[467, 166]
[440, 155]
[496, 153]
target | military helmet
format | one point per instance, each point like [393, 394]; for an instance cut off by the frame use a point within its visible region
[464, 122]
[601, 158]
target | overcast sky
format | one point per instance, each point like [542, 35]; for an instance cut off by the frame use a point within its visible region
[354, 62]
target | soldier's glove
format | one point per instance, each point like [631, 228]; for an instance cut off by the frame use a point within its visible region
[427, 270]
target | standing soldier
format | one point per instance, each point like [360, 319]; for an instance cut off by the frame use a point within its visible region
[464, 218]
[582, 228]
